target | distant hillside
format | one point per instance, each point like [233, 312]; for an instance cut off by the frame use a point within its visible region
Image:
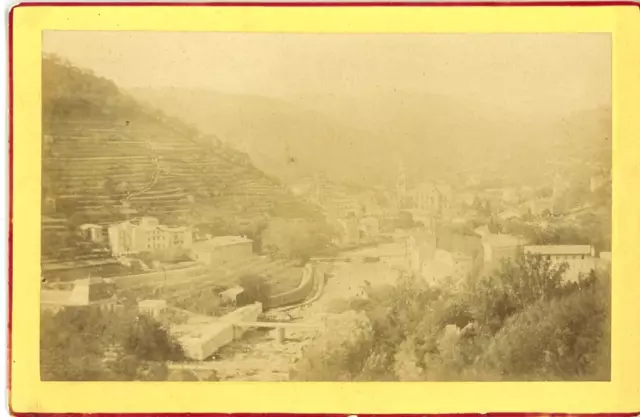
[106, 157]
[283, 139]
[361, 139]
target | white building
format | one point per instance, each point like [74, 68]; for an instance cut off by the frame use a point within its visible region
[222, 249]
[580, 258]
[153, 308]
[146, 235]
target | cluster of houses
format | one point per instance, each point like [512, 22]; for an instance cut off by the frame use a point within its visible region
[454, 258]
[518, 202]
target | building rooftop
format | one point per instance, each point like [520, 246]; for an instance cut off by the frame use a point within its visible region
[559, 249]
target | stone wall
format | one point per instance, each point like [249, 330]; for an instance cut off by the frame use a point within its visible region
[298, 294]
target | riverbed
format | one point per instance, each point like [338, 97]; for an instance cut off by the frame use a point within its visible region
[260, 357]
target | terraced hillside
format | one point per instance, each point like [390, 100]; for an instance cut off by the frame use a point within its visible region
[106, 158]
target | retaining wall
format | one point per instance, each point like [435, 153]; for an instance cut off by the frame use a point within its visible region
[246, 313]
[158, 277]
[201, 344]
[298, 294]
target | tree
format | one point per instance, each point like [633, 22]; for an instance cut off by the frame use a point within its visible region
[405, 220]
[296, 238]
[339, 354]
[75, 343]
[521, 323]
[256, 289]
[71, 348]
[517, 284]
[572, 339]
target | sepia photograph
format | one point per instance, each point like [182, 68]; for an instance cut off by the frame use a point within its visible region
[221, 206]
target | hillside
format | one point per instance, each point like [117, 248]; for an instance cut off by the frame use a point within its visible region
[107, 157]
[283, 139]
[362, 138]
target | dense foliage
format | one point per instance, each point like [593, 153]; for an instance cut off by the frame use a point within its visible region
[89, 344]
[256, 289]
[296, 238]
[522, 323]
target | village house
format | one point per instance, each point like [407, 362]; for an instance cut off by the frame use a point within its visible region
[153, 308]
[579, 258]
[147, 235]
[94, 233]
[222, 249]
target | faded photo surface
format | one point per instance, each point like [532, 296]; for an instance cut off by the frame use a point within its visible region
[325, 207]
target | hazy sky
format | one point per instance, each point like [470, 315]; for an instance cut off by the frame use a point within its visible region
[525, 73]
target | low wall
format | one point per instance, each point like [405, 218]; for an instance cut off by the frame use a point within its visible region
[156, 277]
[298, 294]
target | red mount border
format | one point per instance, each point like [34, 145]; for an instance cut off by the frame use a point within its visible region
[310, 3]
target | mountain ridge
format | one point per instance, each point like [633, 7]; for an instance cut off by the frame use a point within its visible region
[436, 135]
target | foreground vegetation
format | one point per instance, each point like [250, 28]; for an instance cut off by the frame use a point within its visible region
[87, 344]
[523, 323]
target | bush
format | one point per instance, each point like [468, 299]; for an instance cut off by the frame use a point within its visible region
[571, 340]
[296, 238]
[256, 289]
[522, 323]
[74, 344]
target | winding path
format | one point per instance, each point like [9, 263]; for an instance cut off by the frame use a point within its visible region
[156, 174]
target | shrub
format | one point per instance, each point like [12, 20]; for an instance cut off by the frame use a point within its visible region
[75, 342]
